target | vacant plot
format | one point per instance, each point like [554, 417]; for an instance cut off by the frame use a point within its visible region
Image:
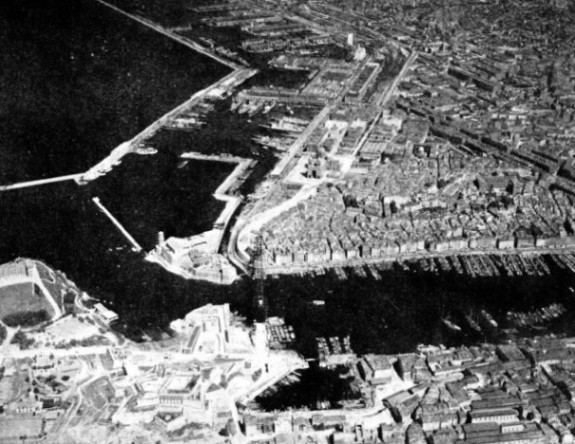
[67, 329]
[11, 428]
[23, 304]
[8, 388]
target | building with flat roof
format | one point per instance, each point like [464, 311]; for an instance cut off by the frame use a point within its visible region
[377, 368]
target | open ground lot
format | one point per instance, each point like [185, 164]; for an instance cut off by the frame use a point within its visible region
[14, 427]
[22, 298]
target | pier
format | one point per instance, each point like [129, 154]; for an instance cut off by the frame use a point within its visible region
[103, 167]
[230, 81]
[136, 246]
[281, 365]
[35, 183]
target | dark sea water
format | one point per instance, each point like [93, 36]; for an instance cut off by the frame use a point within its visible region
[76, 80]
[406, 308]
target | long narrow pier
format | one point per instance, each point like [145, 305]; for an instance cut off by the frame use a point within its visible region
[468, 255]
[192, 155]
[35, 183]
[137, 246]
[184, 41]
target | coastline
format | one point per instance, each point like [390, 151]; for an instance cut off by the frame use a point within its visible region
[299, 268]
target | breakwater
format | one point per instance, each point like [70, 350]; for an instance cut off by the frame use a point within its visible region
[221, 87]
[39, 182]
[180, 39]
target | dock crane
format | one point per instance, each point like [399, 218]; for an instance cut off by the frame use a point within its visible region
[259, 301]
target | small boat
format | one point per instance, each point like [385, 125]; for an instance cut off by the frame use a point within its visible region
[268, 108]
[451, 325]
[489, 318]
[146, 150]
[474, 325]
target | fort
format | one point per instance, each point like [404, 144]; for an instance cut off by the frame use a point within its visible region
[23, 291]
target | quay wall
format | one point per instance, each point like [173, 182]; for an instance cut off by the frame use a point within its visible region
[114, 158]
[234, 179]
[236, 77]
[296, 267]
[232, 202]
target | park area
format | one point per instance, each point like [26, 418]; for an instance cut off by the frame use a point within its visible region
[24, 304]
